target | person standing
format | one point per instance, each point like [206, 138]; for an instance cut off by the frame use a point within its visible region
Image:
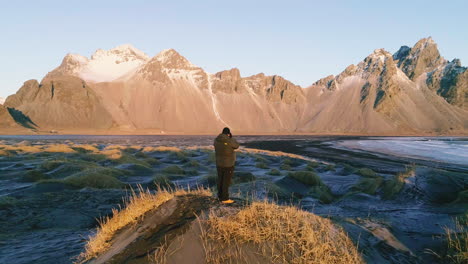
[225, 146]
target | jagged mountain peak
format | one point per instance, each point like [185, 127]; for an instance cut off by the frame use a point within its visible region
[423, 57]
[425, 42]
[232, 73]
[401, 53]
[73, 58]
[124, 52]
[379, 55]
[104, 65]
[170, 58]
[373, 65]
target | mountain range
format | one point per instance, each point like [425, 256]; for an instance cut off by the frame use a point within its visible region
[412, 92]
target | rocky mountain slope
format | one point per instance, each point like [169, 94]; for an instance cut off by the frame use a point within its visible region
[414, 91]
[388, 93]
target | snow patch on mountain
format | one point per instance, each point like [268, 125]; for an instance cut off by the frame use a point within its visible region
[109, 65]
[213, 99]
[104, 65]
[2, 100]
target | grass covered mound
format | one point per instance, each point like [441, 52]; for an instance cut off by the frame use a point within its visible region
[365, 172]
[274, 172]
[8, 201]
[174, 169]
[242, 176]
[136, 206]
[261, 165]
[369, 183]
[317, 188]
[58, 148]
[347, 169]
[462, 197]
[93, 180]
[129, 159]
[34, 176]
[306, 177]
[267, 233]
[292, 162]
[99, 178]
[60, 168]
[161, 228]
[445, 186]
[393, 186]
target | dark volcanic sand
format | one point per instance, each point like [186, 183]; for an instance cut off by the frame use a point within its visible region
[415, 217]
[49, 222]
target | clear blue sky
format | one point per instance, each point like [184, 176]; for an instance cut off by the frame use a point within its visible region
[302, 41]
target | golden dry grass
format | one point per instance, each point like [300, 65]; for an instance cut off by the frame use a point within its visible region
[113, 153]
[62, 148]
[161, 149]
[135, 147]
[88, 147]
[135, 207]
[21, 148]
[197, 147]
[458, 242]
[198, 191]
[109, 147]
[280, 234]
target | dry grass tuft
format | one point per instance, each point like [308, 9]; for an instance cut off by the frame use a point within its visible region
[21, 148]
[275, 234]
[198, 191]
[135, 208]
[61, 148]
[86, 147]
[120, 147]
[458, 242]
[4, 153]
[112, 154]
[161, 149]
[203, 148]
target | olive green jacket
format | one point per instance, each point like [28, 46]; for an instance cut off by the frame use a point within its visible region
[224, 148]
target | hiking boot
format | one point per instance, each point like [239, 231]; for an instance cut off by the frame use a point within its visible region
[227, 201]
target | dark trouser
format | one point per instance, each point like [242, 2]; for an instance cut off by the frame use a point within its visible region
[224, 180]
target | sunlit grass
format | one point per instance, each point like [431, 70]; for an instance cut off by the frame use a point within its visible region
[457, 240]
[279, 234]
[137, 205]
